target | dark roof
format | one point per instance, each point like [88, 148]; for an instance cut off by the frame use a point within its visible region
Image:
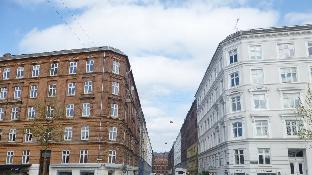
[8, 56]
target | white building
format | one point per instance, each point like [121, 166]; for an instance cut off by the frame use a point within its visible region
[177, 151]
[246, 103]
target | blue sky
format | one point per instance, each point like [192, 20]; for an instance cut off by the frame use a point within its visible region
[169, 43]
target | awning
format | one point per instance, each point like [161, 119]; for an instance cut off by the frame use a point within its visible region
[14, 168]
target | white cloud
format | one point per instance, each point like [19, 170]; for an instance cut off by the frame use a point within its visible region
[298, 18]
[169, 46]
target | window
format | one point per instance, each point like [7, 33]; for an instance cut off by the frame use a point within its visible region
[255, 52]
[90, 65]
[286, 50]
[237, 129]
[65, 156]
[259, 101]
[293, 127]
[2, 113]
[52, 90]
[239, 156]
[86, 108]
[3, 93]
[14, 113]
[233, 56]
[20, 72]
[6, 73]
[236, 104]
[112, 134]
[85, 133]
[12, 135]
[31, 112]
[264, 156]
[261, 128]
[116, 67]
[115, 88]
[234, 79]
[72, 67]
[9, 158]
[17, 92]
[28, 135]
[25, 157]
[291, 100]
[71, 89]
[49, 112]
[114, 110]
[111, 156]
[289, 75]
[257, 76]
[53, 69]
[70, 110]
[310, 48]
[68, 133]
[87, 87]
[33, 92]
[35, 71]
[83, 156]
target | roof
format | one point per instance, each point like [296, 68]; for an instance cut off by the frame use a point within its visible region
[61, 52]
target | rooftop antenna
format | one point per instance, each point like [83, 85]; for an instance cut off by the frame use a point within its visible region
[236, 24]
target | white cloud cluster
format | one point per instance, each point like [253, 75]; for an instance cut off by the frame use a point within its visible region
[169, 45]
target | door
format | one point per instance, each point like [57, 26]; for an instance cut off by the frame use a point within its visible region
[296, 166]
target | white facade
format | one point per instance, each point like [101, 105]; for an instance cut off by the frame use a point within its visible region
[177, 151]
[246, 103]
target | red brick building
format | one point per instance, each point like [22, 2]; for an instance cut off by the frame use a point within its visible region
[103, 122]
[160, 163]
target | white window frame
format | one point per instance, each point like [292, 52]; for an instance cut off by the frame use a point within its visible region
[264, 154]
[238, 103]
[35, 70]
[68, 133]
[115, 88]
[85, 132]
[111, 156]
[83, 157]
[53, 69]
[31, 112]
[89, 65]
[255, 79]
[17, 92]
[70, 110]
[290, 53]
[88, 87]
[86, 109]
[262, 128]
[71, 89]
[252, 52]
[72, 67]
[12, 135]
[295, 102]
[234, 79]
[298, 126]
[20, 72]
[232, 54]
[116, 67]
[65, 156]
[33, 91]
[239, 153]
[112, 136]
[50, 112]
[259, 100]
[6, 73]
[10, 157]
[114, 110]
[52, 90]
[308, 52]
[3, 93]
[235, 129]
[28, 135]
[293, 71]
[2, 113]
[25, 156]
[15, 113]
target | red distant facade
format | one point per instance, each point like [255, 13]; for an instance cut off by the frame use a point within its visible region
[160, 163]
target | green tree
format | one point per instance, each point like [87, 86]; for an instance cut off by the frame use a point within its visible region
[304, 111]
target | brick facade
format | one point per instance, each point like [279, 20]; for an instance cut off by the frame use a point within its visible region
[127, 123]
[160, 163]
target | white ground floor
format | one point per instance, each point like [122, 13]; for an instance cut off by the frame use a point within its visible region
[272, 157]
[85, 169]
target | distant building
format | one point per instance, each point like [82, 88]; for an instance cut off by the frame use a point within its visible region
[189, 141]
[160, 163]
[104, 126]
[247, 124]
[171, 161]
